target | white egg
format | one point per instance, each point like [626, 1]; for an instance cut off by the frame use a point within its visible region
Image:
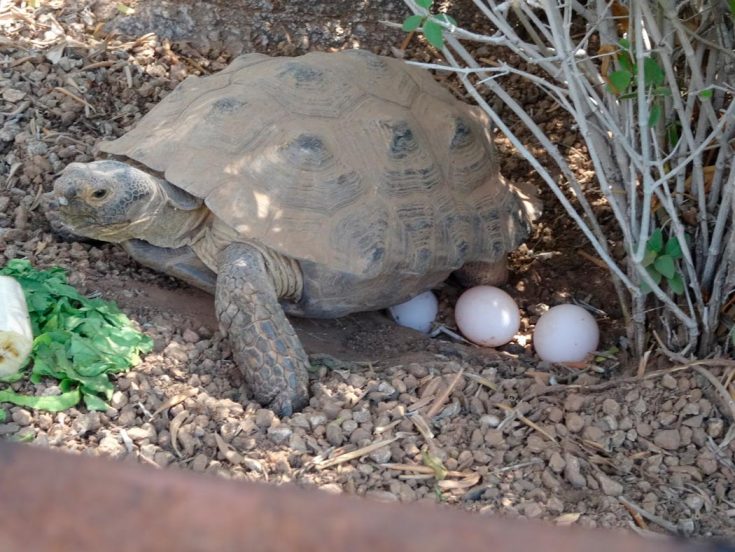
[417, 313]
[488, 316]
[565, 333]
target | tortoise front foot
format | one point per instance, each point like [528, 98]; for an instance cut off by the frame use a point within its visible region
[264, 343]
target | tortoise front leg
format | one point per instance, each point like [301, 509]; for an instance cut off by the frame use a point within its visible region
[180, 262]
[263, 341]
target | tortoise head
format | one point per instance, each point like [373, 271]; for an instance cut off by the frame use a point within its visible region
[104, 200]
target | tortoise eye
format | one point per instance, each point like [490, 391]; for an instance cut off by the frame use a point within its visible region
[99, 194]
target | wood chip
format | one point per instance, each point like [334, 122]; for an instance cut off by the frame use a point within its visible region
[346, 457]
[172, 401]
[173, 429]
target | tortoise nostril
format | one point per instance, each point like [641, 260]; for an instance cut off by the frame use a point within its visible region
[71, 192]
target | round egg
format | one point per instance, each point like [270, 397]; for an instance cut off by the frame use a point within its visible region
[417, 313]
[565, 333]
[488, 316]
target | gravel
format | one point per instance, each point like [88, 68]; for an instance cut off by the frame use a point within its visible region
[505, 442]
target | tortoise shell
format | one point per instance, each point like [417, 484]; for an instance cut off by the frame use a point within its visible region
[357, 162]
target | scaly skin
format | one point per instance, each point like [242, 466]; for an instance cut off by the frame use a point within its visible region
[263, 341]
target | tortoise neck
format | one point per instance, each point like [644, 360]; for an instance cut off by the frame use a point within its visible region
[169, 226]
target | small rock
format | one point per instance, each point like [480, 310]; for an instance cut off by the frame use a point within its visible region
[334, 433]
[297, 443]
[556, 414]
[610, 407]
[556, 462]
[715, 427]
[359, 435]
[609, 486]
[316, 419]
[146, 431]
[279, 434]
[574, 422]
[667, 439]
[110, 446]
[574, 402]
[86, 423]
[331, 488]
[200, 462]
[381, 496]
[669, 382]
[381, 455]
[694, 421]
[572, 471]
[694, 502]
[22, 417]
[190, 336]
[264, 418]
[707, 463]
[118, 400]
[13, 95]
[532, 509]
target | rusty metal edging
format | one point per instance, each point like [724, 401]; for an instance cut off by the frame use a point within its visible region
[51, 501]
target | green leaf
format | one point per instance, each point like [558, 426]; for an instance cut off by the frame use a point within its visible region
[426, 4]
[624, 43]
[434, 33]
[656, 241]
[626, 63]
[732, 7]
[676, 284]
[706, 94]
[619, 81]
[662, 91]
[3, 415]
[412, 23]
[94, 403]
[78, 341]
[654, 115]
[673, 249]
[649, 257]
[672, 134]
[655, 276]
[653, 75]
[51, 403]
[665, 265]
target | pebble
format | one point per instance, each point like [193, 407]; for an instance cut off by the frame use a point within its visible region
[279, 434]
[610, 407]
[667, 439]
[572, 471]
[573, 403]
[264, 418]
[190, 336]
[574, 422]
[556, 462]
[110, 446]
[22, 417]
[335, 435]
[609, 486]
[669, 381]
[381, 496]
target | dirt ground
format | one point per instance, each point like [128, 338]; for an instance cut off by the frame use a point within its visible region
[514, 436]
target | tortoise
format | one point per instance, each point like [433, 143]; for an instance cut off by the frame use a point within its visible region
[315, 186]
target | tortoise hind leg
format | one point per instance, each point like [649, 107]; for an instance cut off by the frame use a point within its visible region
[264, 343]
[483, 274]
